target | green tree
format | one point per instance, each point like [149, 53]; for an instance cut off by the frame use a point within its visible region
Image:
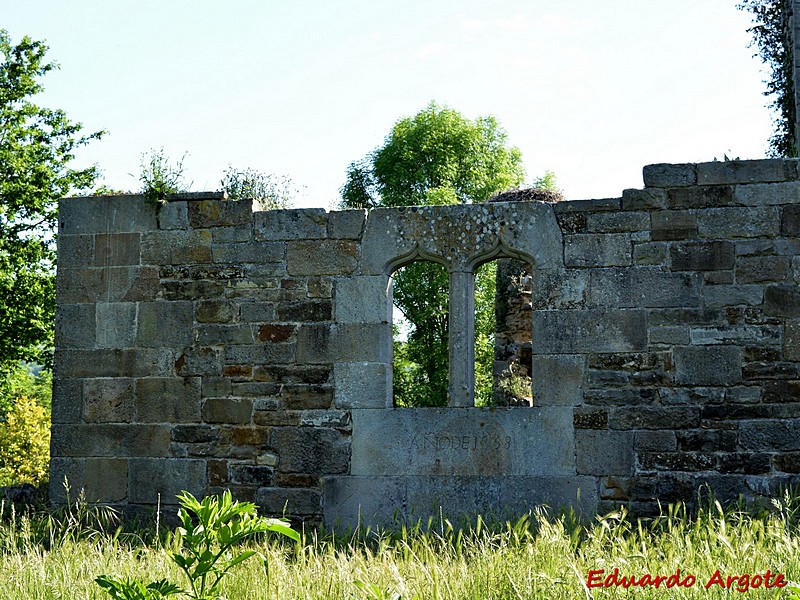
[769, 31]
[37, 146]
[435, 157]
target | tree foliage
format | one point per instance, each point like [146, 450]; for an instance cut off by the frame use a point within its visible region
[435, 157]
[770, 35]
[37, 146]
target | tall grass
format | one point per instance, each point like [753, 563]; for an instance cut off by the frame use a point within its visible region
[541, 555]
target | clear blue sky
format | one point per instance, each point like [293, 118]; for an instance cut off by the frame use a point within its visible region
[590, 89]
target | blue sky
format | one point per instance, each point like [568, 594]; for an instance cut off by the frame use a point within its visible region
[591, 89]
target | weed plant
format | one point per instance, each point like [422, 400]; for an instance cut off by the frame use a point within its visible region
[540, 555]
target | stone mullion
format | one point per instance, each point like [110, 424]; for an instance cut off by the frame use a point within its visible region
[461, 324]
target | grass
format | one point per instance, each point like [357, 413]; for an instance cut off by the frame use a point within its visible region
[541, 555]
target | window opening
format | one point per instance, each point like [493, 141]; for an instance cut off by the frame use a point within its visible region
[511, 334]
[420, 363]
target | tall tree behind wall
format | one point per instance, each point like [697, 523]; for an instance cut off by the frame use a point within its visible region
[36, 148]
[771, 34]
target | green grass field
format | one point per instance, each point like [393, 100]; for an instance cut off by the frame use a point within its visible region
[538, 556]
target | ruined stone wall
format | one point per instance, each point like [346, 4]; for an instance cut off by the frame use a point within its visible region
[202, 345]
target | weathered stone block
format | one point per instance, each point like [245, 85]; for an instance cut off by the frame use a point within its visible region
[173, 215]
[305, 311]
[617, 222]
[560, 288]
[740, 171]
[257, 312]
[782, 301]
[363, 299]
[317, 450]
[673, 225]
[346, 224]
[112, 284]
[322, 257]
[205, 361]
[106, 214]
[108, 400]
[791, 340]
[151, 478]
[649, 253]
[228, 410]
[65, 470]
[655, 441]
[346, 343]
[738, 222]
[654, 417]
[362, 385]
[164, 324]
[244, 474]
[219, 335]
[75, 251]
[723, 296]
[741, 335]
[702, 256]
[168, 400]
[762, 269]
[672, 335]
[117, 249]
[708, 365]
[558, 379]
[299, 223]
[262, 354]
[463, 441]
[790, 220]
[75, 326]
[215, 311]
[700, 197]
[249, 252]
[668, 175]
[597, 250]
[577, 331]
[219, 213]
[770, 435]
[110, 439]
[116, 324]
[292, 501]
[643, 199]
[176, 247]
[643, 287]
[67, 400]
[106, 479]
[590, 418]
[761, 194]
[604, 452]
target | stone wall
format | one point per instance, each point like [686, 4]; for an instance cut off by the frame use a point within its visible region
[202, 345]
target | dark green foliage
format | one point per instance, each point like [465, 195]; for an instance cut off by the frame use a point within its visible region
[36, 147]
[770, 35]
